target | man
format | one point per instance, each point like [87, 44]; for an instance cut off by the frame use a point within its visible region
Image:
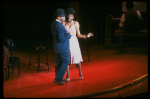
[61, 46]
[130, 21]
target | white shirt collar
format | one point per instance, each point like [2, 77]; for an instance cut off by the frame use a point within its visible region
[58, 20]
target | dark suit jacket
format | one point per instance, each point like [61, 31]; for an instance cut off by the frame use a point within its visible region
[60, 37]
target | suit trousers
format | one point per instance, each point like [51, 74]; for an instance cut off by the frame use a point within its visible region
[61, 63]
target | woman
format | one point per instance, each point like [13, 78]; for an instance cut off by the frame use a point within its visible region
[75, 53]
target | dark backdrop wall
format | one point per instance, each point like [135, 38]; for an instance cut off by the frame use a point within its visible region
[27, 23]
[93, 18]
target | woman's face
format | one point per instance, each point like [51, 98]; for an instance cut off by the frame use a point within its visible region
[70, 17]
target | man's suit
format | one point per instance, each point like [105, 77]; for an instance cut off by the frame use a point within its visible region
[61, 48]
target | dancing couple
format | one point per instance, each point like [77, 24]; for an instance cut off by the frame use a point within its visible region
[66, 45]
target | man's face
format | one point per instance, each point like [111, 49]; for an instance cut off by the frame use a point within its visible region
[70, 17]
[62, 19]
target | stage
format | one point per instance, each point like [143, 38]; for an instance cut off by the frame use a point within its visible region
[109, 74]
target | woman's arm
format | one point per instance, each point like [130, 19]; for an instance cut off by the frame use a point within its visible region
[139, 15]
[79, 34]
[121, 24]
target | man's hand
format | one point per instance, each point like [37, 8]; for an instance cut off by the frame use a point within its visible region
[71, 33]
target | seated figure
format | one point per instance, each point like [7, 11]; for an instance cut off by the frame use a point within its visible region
[131, 20]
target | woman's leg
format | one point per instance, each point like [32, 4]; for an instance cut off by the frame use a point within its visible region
[80, 73]
[68, 75]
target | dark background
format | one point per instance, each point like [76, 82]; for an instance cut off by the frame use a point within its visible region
[28, 23]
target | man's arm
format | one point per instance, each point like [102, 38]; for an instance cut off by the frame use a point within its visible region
[61, 35]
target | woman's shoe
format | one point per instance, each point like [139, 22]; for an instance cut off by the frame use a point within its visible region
[81, 77]
[68, 78]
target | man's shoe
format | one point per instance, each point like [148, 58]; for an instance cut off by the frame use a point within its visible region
[61, 83]
[55, 81]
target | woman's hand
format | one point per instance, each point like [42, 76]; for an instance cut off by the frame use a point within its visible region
[89, 35]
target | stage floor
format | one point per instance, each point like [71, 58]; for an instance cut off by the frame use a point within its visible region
[107, 70]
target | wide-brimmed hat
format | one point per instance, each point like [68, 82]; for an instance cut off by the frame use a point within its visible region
[60, 13]
[129, 4]
[70, 11]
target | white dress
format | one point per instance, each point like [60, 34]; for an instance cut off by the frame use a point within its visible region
[75, 52]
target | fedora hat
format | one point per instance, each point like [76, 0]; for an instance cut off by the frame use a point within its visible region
[60, 13]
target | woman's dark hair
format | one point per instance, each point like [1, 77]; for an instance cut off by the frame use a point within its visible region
[70, 11]
[129, 5]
